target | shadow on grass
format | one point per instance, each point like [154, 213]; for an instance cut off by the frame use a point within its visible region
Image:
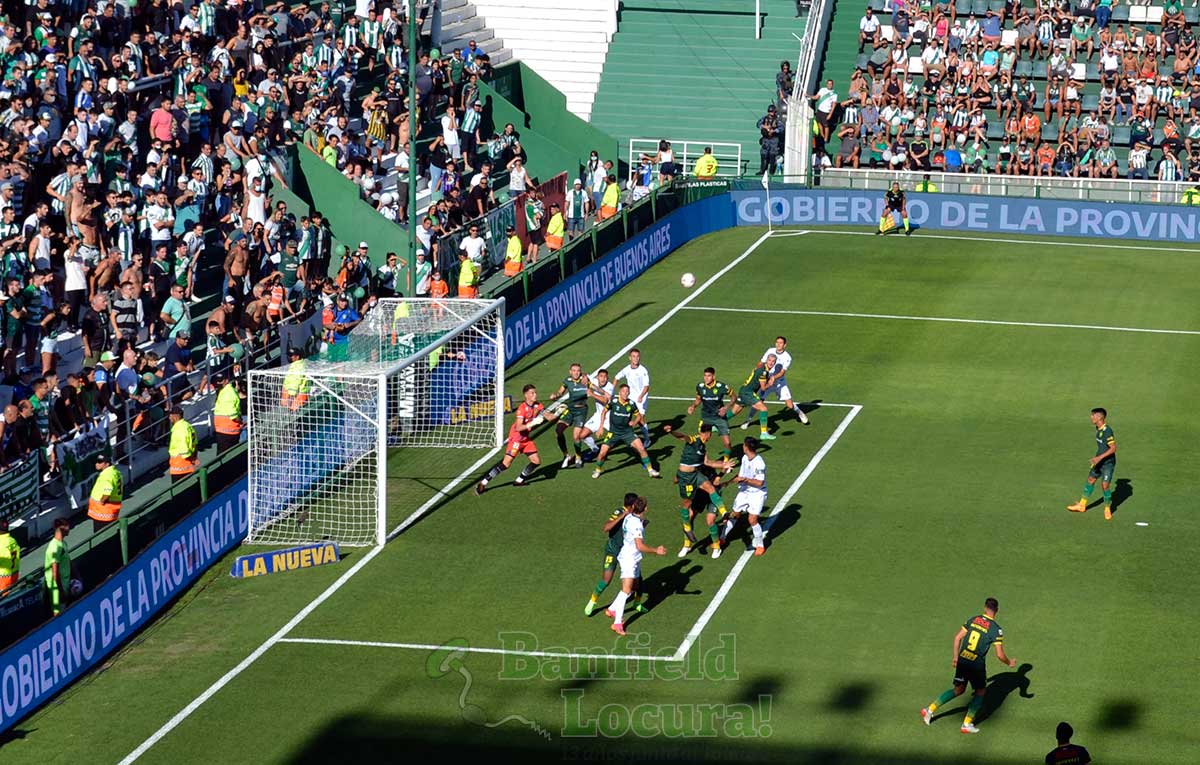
[1001, 686]
[851, 698]
[1119, 715]
[668, 582]
[1121, 492]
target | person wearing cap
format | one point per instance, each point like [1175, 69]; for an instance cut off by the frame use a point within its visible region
[295, 382]
[10, 559]
[468, 276]
[104, 503]
[575, 206]
[227, 413]
[468, 129]
[555, 228]
[345, 318]
[513, 253]
[182, 456]
[706, 165]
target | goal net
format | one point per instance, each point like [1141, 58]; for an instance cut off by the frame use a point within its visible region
[414, 374]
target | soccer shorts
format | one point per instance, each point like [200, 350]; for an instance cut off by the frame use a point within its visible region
[748, 396]
[627, 438]
[631, 566]
[610, 561]
[1104, 471]
[575, 418]
[689, 483]
[781, 389]
[595, 423]
[518, 444]
[749, 502]
[720, 425]
[970, 672]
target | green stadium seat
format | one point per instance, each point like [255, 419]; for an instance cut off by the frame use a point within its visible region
[1191, 15]
[1121, 14]
[861, 61]
[1024, 68]
[1158, 136]
[1091, 102]
[995, 130]
[996, 5]
[1166, 70]
[1120, 135]
[979, 7]
[876, 5]
[1050, 131]
[1092, 72]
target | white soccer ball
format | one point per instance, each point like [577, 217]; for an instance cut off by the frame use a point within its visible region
[688, 280]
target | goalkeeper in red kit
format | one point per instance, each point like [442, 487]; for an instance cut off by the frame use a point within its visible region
[530, 414]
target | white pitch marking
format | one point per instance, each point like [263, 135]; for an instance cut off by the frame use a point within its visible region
[736, 571]
[470, 649]
[948, 320]
[1041, 242]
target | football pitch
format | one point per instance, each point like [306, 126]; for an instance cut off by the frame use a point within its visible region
[950, 380]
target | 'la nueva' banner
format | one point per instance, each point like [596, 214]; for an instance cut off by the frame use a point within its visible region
[960, 212]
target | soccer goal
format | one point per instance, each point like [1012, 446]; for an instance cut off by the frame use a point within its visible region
[415, 374]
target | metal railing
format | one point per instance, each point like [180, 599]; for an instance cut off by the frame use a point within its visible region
[797, 144]
[728, 155]
[1121, 191]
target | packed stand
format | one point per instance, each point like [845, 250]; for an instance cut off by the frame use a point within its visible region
[1012, 88]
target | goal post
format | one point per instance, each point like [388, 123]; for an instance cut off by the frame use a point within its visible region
[415, 374]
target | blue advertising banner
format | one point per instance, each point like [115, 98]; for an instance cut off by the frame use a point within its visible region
[551, 313]
[53, 656]
[955, 212]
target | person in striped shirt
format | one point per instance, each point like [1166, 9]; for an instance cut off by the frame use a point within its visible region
[468, 130]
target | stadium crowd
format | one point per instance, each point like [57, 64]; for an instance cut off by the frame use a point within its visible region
[1050, 88]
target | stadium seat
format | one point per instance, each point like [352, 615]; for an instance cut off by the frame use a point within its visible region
[1121, 14]
[1120, 135]
[996, 5]
[979, 7]
[1008, 38]
[861, 62]
[1091, 102]
[915, 66]
[995, 130]
[1191, 15]
[1091, 71]
[885, 32]
[1154, 14]
[876, 5]
[1024, 68]
[1137, 14]
[1050, 131]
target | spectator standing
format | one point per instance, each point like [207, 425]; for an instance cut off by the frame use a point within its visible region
[421, 273]
[474, 246]
[534, 214]
[58, 567]
[182, 449]
[227, 414]
[513, 255]
[611, 199]
[596, 179]
[468, 276]
[10, 559]
[108, 491]
[555, 228]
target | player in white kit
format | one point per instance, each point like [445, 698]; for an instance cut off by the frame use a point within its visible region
[778, 383]
[601, 391]
[638, 377]
[751, 481]
[633, 530]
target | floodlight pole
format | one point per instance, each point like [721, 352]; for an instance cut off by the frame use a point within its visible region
[413, 127]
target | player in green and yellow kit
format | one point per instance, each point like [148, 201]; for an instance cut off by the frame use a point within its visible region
[894, 202]
[612, 548]
[971, 645]
[711, 395]
[1103, 465]
[690, 478]
[752, 392]
[575, 386]
[623, 417]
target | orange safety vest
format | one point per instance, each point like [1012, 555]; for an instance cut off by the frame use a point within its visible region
[7, 582]
[227, 426]
[183, 465]
[104, 512]
[468, 292]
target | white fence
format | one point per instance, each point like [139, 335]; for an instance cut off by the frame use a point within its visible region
[728, 155]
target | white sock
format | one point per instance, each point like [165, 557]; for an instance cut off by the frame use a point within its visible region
[618, 607]
[591, 443]
[728, 528]
[758, 534]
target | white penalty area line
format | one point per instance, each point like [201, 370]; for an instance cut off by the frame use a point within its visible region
[768, 403]
[697, 628]
[1040, 242]
[279, 636]
[471, 649]
[948, 320]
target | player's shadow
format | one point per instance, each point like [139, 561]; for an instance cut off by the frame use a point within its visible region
[667, 582]
[1001, 686]
[1122, 492]
[774, 525]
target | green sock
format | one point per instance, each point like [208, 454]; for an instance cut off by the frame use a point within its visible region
[762, 421]
[578, 449]
[718, 503]
[601, 586]
[646, 462]
[714, 533]
[906, 224]
[941, 700]
[1108, 496]
[726, 454]
[973, 709]
[1088, 488]
[600, 464]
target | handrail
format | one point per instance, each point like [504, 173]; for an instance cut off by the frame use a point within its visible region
[797, 137]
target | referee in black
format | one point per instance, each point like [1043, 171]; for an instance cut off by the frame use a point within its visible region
[895, 202]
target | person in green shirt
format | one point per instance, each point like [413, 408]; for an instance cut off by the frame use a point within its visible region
[690, 477]
[575, 386]
[58, 567]
[971, 644]
[711, 396]
[1102, 465]
[330, 152]
[612, 547]
[753, 392]
[10, 559]
[623, 417]
[175, 314]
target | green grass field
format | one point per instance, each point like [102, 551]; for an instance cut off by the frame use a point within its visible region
[940, 480]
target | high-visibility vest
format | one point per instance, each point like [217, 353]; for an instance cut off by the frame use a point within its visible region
[608, 203]
[108, 484]
[513, 256]
[295, 382]
[554, 231]
[1191, 196]
[227, 412]
[10, 562]
[468, 278]
[182, 449]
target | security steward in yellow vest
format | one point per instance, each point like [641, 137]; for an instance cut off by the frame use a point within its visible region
[10, 559]
[295, 382]
[181, 450]
[514, 253]
[104, 503]
[227, 414]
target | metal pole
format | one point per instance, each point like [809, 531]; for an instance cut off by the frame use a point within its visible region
[413, 127]
[757, 19]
